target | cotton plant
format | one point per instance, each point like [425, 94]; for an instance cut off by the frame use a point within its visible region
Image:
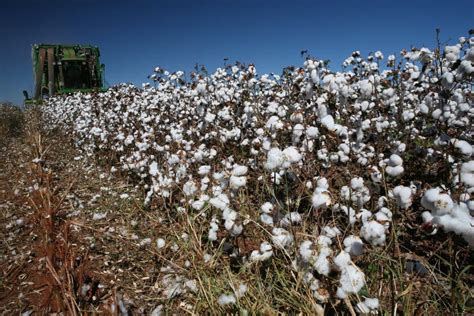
[207, 144]
[449, 215]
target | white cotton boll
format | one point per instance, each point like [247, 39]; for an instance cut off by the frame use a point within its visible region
[322, 263]
[265, 247]
[312, 132]
[239, 170]
[226, 299]
[395, 160]
[467, 173]
[241, 290]
[383, 215]
[321, 198]
[364, 215]
[266, 219]
[331, 232]
[458, 221]
[464, 147]
[368, 306]
[328, 122]
[322, 183]
[281, 238]
[212, 234]
[372, 303]
[221, 201]
[354, 245]
[352, 281]
[210, 117]
[394, 171]
[275, 159]
[357, 183]
[160, 243]
[267, 207]
[403, 195]
[189, 188]
[153, 169]
[306, 251]
[298, 130]
[291, 154]
[291, 218]
[264, 253]
[342, 260]
[374, 233]
[237, 182]
[236, 230]
[201, 88]
[204, 170]
[315, 76]
[99, 216]
[465, 68]
[437, 202]
[436, 114]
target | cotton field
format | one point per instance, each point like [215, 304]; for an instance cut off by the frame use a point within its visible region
[319, 167]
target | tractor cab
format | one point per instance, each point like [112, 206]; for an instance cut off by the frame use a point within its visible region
[60, 69]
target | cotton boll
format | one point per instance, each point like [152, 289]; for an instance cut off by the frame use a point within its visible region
[267, 207]
[264, 253]
[241, 290]
[437, 202]
[464, 147]
[204, 170]
[357, 183]
[221, 201]
[394, 167]
[160, 243]
[291, 218]
[374, 233]
[328, 122]
[368, 305]
[275, 159]
[322, 263]
[306, 251]
[239, 170]
[321, 198]
[226, 299]
[383, 215]
[212, 235]
[467, 173]
[322, 183]
[312, 132]
[189, 188]
[354, 245]
[331, 232]
[281, 238]
[291, 155]
[237, 182]
[349, 211]
[364, 215]
[352, 281]
[403, 196]
[395, 160]
[153, 168]
[266, 219]
[342, 261]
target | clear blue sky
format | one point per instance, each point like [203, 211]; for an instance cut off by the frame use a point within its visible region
[136, 36]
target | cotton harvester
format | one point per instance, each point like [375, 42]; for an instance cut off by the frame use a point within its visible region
[60, 69]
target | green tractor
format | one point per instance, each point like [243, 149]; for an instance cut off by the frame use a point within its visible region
[60, 69]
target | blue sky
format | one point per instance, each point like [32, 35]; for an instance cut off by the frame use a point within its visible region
[136, 36]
